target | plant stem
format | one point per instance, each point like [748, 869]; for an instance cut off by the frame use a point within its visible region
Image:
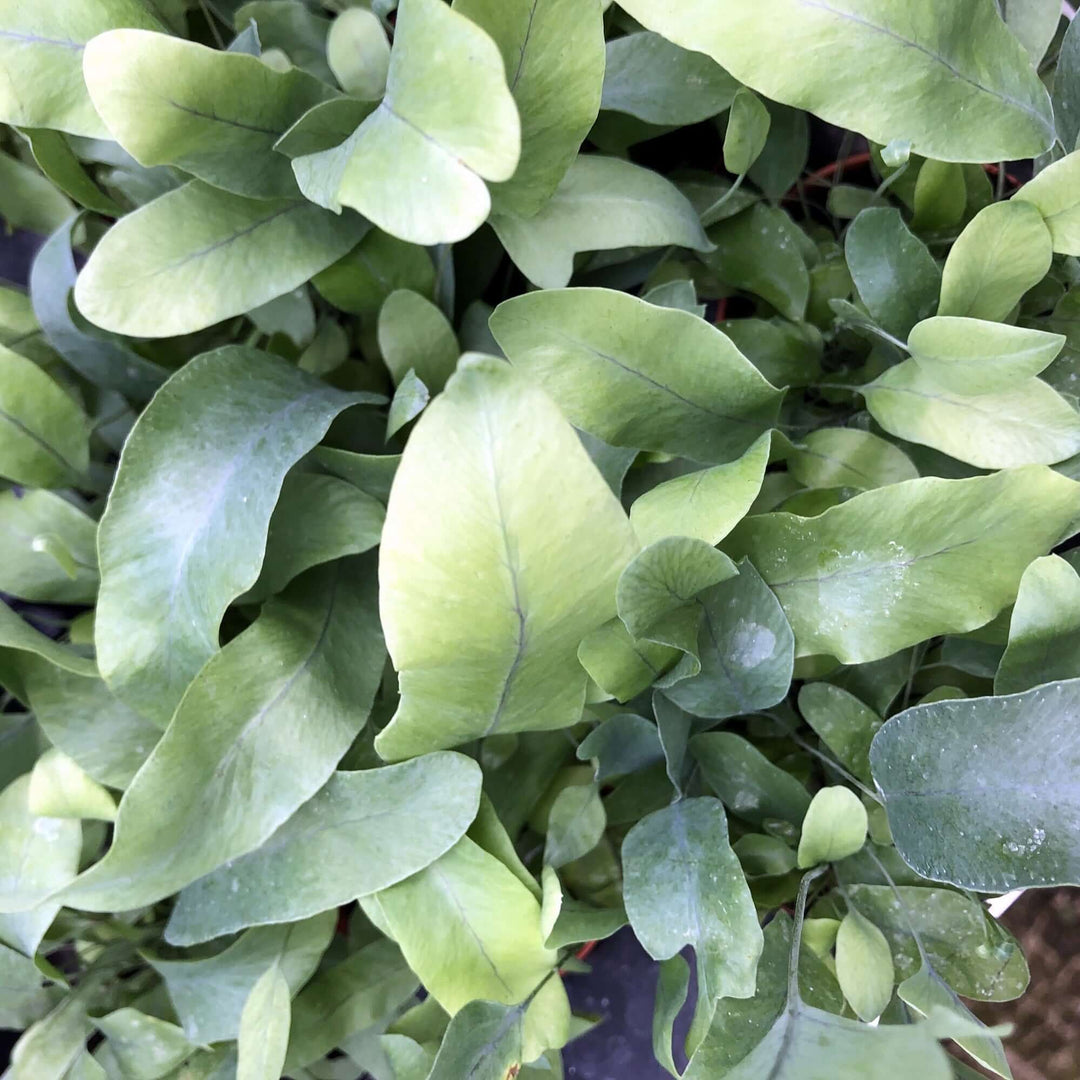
[796, 935]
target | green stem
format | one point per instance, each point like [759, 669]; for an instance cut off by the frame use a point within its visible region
[796, 935]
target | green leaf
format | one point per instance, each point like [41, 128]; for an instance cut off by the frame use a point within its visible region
[842, 722]
[415, 335]
[385, 825]
[38, 855]
[864, 965]
[925, 993]
[940, 196]
[971, 952]
[1003, 251]
[292, 28]
[553, 51]
[1055, 193]
[48, 1048]
[55, 158]
[44, 434]
[27, 199]
[410, 398]
[623, 744]
[469, 502]
[896, 276]
[1044, 632]
[746, 651]
[1066, 93]
[485, 1041]
[178, 542]
[213, 114]
[579, 922]
[758, 251]
[683, 885]
[834, 828]
[575, 825]
[762, 855]
[59, 788]
[706, 504]
[233, 764]
[181, 262]
[489, 945]
[210, 995]
[620, 665]
[737, 1026]
[446, 124]
[672, 983]
[979, 100]
[360, 281]
[749, 784]
[27, 569]
[371, 473]
[1028, 423]
[368, 988]
[264, 1028]
[145, 1047]
[997, 776]
[358, 53]
[894, 566]
[848, 457]
[648, 77]
[1034, 22]
[317, 519]
[601, 203]
[970, 356]
[657, 594]
[637, 375]
[324, 126]
[98, 359]
[41, 54]
[747, 130]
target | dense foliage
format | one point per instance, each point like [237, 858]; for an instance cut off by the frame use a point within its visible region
[468, 487]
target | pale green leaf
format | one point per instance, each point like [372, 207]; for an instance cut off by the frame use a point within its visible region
[672, 983]
[1066, 92]
[1055, 193]
[638, 375]
[27, 570]
[553, 51]
[683, 885]
[706, 504]
[489, 945]
[417, 165]
[864, 965]
[371, 473]
[27, 199]
[894, 566]
[317, 519]
[415, 335]
[747, 130]
[979, 98]
[59, 788]
[291, 28]
[209, 995]
[145, 1047]
[940, 196]
[184, 531]
[48, 1048]
[971, 356]
[484, 1041]
[749, 784]
[1044, 631]
[213, 114]
[620, 665]
[41, 53]
[848, 457]
[182, 262]
[387, 824]
[1003, 251]
[894, 273]
[601, 203]
[409, 401]
[96, 357]
[44, 434]
[997, 776]
[650, 78]
[575, 825]
[358, 53]
[842, 722]
[264, 1028]
[925, 993]
[746, 650]
[1027, 423]
[234, 764]
[1034, 22]
[478, 473]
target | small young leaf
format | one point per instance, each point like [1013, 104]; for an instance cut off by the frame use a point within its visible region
[1055, 193]
[264, 1028]
[575, 825]
[415, 335]
[834, 827]
[358, 53]
[864, 965]
[60, 789]
[747, 130]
